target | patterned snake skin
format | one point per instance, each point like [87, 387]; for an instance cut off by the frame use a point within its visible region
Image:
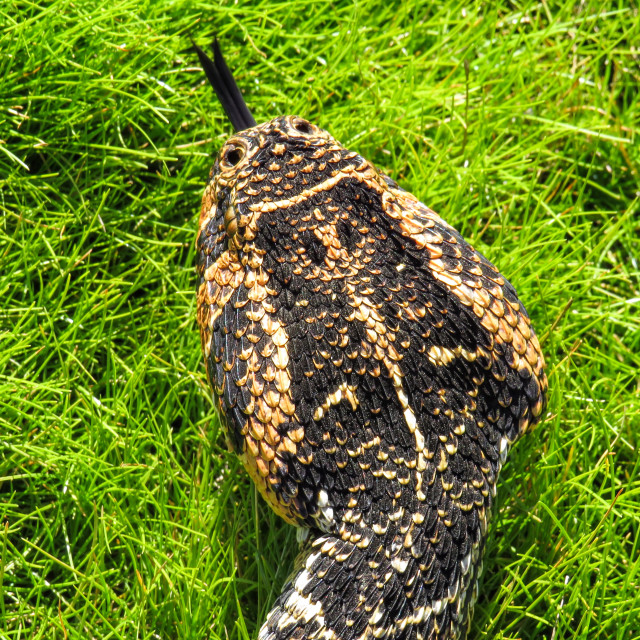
[372, 371]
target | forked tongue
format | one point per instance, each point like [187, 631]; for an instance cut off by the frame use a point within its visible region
[225, 87]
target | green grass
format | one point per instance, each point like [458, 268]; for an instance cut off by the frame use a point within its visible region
[121, 513]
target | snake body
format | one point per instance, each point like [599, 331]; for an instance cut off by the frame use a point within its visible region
[371, 370]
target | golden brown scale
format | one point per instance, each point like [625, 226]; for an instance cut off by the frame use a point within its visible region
[371, 369]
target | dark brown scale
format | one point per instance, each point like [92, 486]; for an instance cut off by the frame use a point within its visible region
[372, 370]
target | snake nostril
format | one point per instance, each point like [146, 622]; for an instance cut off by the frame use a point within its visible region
[302, 126]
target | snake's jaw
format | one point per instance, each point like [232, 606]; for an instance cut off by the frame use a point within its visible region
[225, 86]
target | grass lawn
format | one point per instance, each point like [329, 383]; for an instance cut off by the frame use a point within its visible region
[121, 513]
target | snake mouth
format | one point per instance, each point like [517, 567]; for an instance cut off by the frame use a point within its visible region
[221, 79]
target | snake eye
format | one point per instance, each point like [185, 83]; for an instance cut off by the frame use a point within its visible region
[302, 126]
[233, 155]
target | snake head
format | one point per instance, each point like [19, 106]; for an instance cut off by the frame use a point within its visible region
[262, 166]
[266, 169]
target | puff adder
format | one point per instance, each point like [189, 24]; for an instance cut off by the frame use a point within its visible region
[371, 370]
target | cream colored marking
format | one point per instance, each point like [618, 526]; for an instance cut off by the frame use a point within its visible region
[442, 356]
[443, 464]
[365, 311]
[409, 415]
[313, 557]
[504, 448]
[396, 515]
[470, 356]
[422, 613]
[343, 392]
[347, 172]
[399, 564]
[326, 511]
[303, 579]
[465, 564]
[304, 608]
[437, 606]
[376, 616]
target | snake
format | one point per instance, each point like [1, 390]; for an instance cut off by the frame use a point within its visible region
[371, 370]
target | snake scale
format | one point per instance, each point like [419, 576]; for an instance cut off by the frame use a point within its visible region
[371, 370]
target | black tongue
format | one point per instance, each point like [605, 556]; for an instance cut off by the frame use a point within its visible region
[225, 87]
